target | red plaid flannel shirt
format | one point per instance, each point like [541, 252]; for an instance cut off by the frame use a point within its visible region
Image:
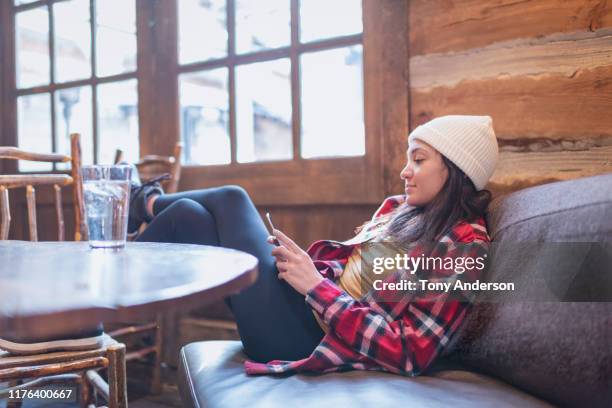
[402, 337]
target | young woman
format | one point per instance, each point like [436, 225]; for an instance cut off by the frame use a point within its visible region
[306, 311]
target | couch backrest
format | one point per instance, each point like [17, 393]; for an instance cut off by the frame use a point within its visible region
[559, 350]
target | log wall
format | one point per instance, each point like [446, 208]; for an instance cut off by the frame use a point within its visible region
[541, 69]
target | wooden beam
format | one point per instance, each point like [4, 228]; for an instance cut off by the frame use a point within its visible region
[564, 54]
[443, 25]
[8, 122]
[552, 106]
[158, 105]
[520, 170]
[386, 89]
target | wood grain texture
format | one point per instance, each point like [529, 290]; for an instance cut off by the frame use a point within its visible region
[18, 154]
[386, 79]
[22, 180]
[31, 201]
[125, 285]
[80, 224]
[520, 170]
[52, 369]
[553, 106]
[554, 54]
[5, 224]
[306, 224]
[453, 25]
[59, 212]
[157, 61]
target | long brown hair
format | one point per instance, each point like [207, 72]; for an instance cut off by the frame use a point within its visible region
[457, 200]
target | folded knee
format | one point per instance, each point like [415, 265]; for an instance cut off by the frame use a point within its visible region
[233, 192]
[185, 207]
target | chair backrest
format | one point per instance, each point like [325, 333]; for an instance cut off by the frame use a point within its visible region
[153, 165]
[31, 181]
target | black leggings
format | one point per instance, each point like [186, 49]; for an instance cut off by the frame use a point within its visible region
[273, 319]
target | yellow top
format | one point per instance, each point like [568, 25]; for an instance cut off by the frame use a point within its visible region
[352, 280]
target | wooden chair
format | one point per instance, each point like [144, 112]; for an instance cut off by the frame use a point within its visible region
[148, 167]
[153, 165]
[78, 366]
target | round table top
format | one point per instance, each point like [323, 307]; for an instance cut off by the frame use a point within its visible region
[51, 288]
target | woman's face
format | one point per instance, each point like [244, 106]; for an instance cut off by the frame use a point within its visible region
[424, 174]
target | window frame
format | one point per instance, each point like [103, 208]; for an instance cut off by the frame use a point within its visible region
[296, 181]
[9, 11]
[347, 180]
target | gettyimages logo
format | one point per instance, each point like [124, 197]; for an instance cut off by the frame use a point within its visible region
[482, 272]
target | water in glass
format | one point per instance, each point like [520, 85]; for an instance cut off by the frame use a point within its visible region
[106, 203]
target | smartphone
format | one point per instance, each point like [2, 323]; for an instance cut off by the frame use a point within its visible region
[271, 227]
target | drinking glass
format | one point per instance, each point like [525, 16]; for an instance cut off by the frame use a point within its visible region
[107, 200]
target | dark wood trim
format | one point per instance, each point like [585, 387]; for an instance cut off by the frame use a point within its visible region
[158, 99]
[231, 50]
[52, 75]
[2, 80]
[9, 101]
[386, 72]
[273, 54]
[52, 87]
[94, 89]
[297, 181]
[296, 100]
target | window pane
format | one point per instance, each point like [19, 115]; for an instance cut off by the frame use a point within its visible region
[118, 121]
[332, 103]
[73, 114]
[205, 117]
[324, 18]
[20, 2]
[115, 37]
[32, 47]
[202, 30]
[262, 24]
[34, 128]
[263, 108]
[72, 40]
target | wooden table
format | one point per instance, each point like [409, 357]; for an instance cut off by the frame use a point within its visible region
[53, 288]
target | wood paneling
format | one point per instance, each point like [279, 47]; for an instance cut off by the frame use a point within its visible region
[553, 105]
[554, 54]
[520, 170]
[306, 224]
[541, 69]
[452, 25]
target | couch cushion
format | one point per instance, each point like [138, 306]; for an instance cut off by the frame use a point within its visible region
[212, 375]
[560, 351]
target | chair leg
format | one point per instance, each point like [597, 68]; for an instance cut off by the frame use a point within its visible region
[117, 377]
[156, 380]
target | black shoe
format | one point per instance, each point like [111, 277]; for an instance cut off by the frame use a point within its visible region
[84, 340]
[139, 194]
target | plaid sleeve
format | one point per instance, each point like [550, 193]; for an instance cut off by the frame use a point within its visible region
[330, 269]
[406, 344]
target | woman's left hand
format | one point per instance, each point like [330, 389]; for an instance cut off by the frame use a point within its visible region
[294, 265]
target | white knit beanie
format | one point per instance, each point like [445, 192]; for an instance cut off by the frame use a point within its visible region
[467, 141]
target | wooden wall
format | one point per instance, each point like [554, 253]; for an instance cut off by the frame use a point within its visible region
[542, 69]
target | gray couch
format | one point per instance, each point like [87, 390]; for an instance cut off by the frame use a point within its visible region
[526, 353]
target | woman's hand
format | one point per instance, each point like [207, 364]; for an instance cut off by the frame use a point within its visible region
[294, 265]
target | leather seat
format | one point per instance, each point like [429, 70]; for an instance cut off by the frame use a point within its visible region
[212, 375]
[558, 351]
